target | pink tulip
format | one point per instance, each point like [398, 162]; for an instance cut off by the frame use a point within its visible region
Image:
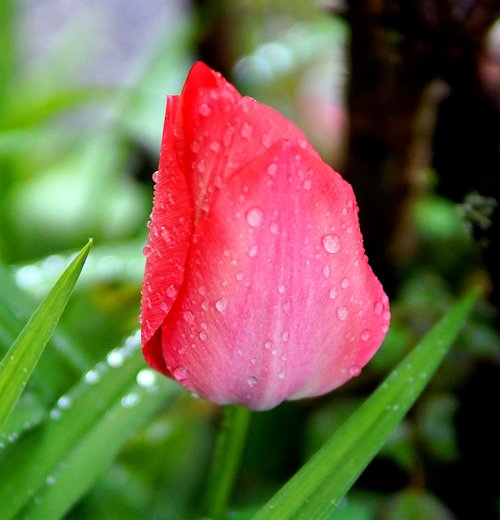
[256, 288]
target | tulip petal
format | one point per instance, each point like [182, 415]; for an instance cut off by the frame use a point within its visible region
[225, 131]
[168, 241]
[278, 299]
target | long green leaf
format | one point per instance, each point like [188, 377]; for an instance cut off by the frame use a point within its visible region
[317, 488]
[94, 452]
[35, 458]
[18, 364]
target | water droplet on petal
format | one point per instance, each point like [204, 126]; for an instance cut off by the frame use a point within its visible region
[252, 381]
[272, 169]
[331, 243]
[254, 217]
[252, 252]
[221, 304]
[281, 289]
[214, 146]
[180, 374]
[333, 293]
[155, 176]
[246, 130]
[326, 271]
[268, 345]
[239, 276]
[342, 313]
[285, 335]
[188, 317]
[203, 335]
[355, 370]
[281, 374]
[274, 228]
[365, 335]
[171, 291]
[307, 184]
[345, 283]
[204, 110]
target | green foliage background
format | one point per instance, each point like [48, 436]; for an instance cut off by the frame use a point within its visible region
[77, 149]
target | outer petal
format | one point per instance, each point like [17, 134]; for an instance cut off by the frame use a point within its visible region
[278, 299]
[224, 131]
[169, 240]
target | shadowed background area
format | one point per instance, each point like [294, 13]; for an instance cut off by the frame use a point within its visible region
[402, 98]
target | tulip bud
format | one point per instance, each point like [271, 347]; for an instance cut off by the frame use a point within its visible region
[257, 288]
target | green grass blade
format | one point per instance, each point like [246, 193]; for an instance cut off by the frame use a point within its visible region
[95, 452]
[33, 460]
[317, 488]
[18, 364]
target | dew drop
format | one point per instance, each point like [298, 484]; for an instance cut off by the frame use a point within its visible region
[252, 381]
[274, 228]
[214, 146]
[155, 176]
[64, 402]
[203, 335]
[130, 400]
[91, 377]
[180, 373]
[254, 217]
[221, 304]
[285, 336]
[252, 252]
[345, 283]
[379, 308]
[333, 293]
[307, 184]
[272, 169]
[342, 313]
[355, 370]
[239, 276]
[268, 345]
[365, 335]
[171, 291]
[204, 110]
[146, 378]
[326, 271]
[115, 358]
[188, 317]
[281, 289]
[331, 243]
[266, 140]
[246, 130]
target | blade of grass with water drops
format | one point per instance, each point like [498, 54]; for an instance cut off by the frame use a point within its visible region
[95, 452]
[316, 489]
[41, 453]
[19, 362]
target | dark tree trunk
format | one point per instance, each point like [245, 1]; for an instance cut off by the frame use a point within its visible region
[399, 52]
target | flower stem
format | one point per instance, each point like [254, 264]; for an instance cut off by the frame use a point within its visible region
[228, 448]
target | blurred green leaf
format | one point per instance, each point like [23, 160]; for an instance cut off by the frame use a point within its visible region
[319, 486]
[18, 364]
[436, 420]
[415, 505]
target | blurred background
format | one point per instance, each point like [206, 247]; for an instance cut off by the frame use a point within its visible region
[403, 98]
